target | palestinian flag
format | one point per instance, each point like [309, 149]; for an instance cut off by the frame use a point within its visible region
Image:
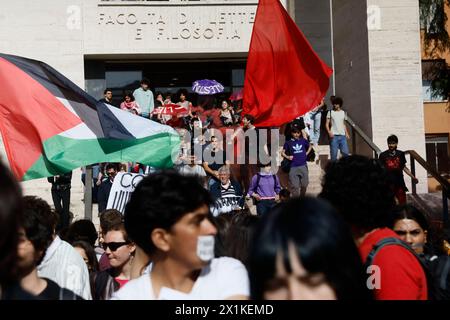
[50, 126]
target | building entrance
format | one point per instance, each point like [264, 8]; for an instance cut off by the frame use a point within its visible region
[165, 76]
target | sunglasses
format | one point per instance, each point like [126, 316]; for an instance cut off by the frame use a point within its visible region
[113, 246]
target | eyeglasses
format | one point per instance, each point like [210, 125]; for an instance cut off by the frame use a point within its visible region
[113, 246]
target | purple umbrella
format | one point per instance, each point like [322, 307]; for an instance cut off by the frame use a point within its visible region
[207, 87]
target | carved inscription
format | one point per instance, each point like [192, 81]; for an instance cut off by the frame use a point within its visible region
[167, 24]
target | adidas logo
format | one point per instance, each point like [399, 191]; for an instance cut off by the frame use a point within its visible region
[297, 148]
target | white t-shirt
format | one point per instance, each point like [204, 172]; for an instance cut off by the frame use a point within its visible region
[337, 121]
[222, 278]
[187, 170]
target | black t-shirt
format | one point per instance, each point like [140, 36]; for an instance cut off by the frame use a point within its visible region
[15, 292]
[55, 292]
[394, 162]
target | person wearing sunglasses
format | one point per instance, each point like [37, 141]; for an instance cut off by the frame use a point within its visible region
[120, 252]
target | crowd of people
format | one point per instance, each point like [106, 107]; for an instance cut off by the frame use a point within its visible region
[190, 232]
[353, 242]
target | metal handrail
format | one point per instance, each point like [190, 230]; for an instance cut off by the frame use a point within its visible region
[364, 136]
[442, 181]
[414, 157]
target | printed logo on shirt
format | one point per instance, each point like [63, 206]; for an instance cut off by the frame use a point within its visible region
[298, 148]
[225, 204]
[393, 163]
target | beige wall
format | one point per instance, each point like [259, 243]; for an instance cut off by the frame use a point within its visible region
[43, 30]
[437, 120]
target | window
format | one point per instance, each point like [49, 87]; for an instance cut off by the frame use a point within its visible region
[427, 93]
[433, 19]
[122, 81]
[437, 153]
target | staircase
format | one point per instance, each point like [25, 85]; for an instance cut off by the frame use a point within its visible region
[430, 204]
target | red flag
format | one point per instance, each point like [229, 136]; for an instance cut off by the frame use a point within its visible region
[284, 78]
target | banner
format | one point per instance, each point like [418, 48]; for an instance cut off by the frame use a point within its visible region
[122, 188]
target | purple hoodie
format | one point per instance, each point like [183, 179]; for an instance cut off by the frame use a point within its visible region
[266, 187]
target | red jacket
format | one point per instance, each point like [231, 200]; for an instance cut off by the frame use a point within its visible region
[401, 275]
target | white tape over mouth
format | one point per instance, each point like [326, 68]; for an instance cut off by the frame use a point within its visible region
[205, 248]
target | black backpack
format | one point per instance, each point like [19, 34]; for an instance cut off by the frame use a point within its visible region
[285, 163]
[258, 178]
[395, 241]
[439, 268]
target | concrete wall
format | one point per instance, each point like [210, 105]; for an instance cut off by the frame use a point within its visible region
[351, 64]
[396, 77]
[377, 58]
[173, 27]
[314, 20]
[48, 31]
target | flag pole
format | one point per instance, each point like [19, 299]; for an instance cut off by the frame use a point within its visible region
[88, 194]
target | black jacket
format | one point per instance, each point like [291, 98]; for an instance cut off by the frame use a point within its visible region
[103, 194]
[62, 182]
[216, 191]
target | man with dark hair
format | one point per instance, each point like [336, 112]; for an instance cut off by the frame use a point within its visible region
[395, 163]
[358, 188]
[214, 158]
[168, 216]
[337, 130]
[105, 188]
[107, 97]
[61, 185]
[252, 151]
[144, 98]
[61, 263]
[34, 238]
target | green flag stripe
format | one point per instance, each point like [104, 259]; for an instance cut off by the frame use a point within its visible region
[62, 154]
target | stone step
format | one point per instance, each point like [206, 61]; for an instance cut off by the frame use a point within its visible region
[430, 204]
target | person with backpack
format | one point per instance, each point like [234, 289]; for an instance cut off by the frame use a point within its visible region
[412, 227]
[358, 187]
[264, 189]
